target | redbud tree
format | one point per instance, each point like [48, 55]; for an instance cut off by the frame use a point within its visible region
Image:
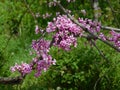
[65, 30]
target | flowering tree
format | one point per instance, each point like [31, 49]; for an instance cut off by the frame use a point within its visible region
[65, 30]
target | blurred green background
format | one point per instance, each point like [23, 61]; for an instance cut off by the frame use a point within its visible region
[81, 69]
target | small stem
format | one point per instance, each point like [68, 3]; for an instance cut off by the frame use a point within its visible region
[96, 83]
[100, 52]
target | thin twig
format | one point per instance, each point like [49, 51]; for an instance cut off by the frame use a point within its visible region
[97, 83]
[33, 15]
[11, 80]
[100, 52]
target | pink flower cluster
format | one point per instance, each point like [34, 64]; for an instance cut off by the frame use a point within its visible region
[102, 36]
[66, 32]
[24, 68]
[65, 41]
[92, 26]
[65, 36]
[64, 24]
[43, 65]
[40, 46]
[115, 38]
[43, 60]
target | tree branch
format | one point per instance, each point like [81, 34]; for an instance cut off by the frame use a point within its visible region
[11, 80]
[84, 28]
[117, 23]
[110, 28]
[19, 79]
[100, 52]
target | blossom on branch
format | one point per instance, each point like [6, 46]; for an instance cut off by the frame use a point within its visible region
[115, 38]
[24, 68]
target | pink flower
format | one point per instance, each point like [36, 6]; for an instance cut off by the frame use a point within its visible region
[102, 36]
[83, 12]
[115, 38]
[37, 30]
[24, 68]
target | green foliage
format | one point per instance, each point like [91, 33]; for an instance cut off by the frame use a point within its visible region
[80, 69]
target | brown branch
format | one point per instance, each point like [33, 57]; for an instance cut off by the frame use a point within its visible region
[11, 80]
[84, 28]
[91, 38]
[110, 28]
[19, 79]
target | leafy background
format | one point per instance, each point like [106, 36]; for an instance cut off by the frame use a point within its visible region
[78, 69]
